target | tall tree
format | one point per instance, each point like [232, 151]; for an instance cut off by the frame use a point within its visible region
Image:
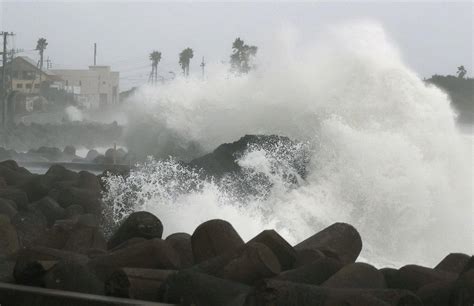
[41, 46]
[242, 55]
[184, 60]
[155, 58]
[461, 72]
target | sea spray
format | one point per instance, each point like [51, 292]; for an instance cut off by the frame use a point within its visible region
[385, 153]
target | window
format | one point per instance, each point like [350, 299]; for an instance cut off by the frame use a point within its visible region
[80, 83]
[28, 86]
[15, 74]
[67, 83]
[103, 82]
[37, 86]
[19, 85]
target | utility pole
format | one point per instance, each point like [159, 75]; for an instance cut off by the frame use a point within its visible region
[4, 78]
[95, 54]
[203, 65]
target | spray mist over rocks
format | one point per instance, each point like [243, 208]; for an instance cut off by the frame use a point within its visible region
[385, 153]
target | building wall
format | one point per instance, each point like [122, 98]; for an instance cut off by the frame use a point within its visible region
[98, 85]
[26, 78]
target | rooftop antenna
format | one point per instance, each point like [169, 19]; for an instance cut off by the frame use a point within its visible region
[203, 65]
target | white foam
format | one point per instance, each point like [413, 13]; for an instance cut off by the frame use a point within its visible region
[386, 155]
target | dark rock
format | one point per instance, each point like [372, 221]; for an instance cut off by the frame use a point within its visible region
[454, 263]
[283, 250]
[89, 200]
[340, 238]
[70, 150]
[89, 181]
[8, 208]
[73, 211]
[358, 276]
[32, 263]
[91, 155]
[413, 277]
[9, 243]
[213, 238]
[85, 236]
[314, 273]
[150, 254]
[128, 243]
[72, 275]
[16, 195]
[223, 159]
[275, 292]
[181, 242]
[436, 294]
[463, 290]
[50, 209]
[193, 288]
[307, 256]
[135, 283]
[30, 227]
[138, 224]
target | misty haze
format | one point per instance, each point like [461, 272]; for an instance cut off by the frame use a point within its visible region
[236, 153]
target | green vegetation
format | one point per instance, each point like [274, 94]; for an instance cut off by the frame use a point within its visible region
[461, 92]
[242, 56]
[184, 59]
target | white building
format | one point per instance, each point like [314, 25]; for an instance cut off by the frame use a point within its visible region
[97, 87]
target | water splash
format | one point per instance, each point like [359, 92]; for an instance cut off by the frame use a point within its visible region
[385, 153]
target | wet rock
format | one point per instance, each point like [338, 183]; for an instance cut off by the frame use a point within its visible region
[358, 276]
[213, 238]
[138, 224]
[280, 247]
[181, 242]
[341, 239]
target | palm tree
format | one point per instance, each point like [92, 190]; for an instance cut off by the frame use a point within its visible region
[41, 46]
[241, 56]
[461, 72]
[155, 58]
[184, 59]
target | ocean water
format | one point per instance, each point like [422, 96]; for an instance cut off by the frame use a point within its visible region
[383, 150]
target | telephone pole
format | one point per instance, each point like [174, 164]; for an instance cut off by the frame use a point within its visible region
[4, 78]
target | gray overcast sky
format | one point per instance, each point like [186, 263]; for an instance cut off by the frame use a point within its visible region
[434, 37]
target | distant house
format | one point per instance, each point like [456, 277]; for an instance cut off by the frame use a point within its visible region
[97, 87]
[26, 76]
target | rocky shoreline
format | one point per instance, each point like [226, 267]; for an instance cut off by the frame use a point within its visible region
[51, 237]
